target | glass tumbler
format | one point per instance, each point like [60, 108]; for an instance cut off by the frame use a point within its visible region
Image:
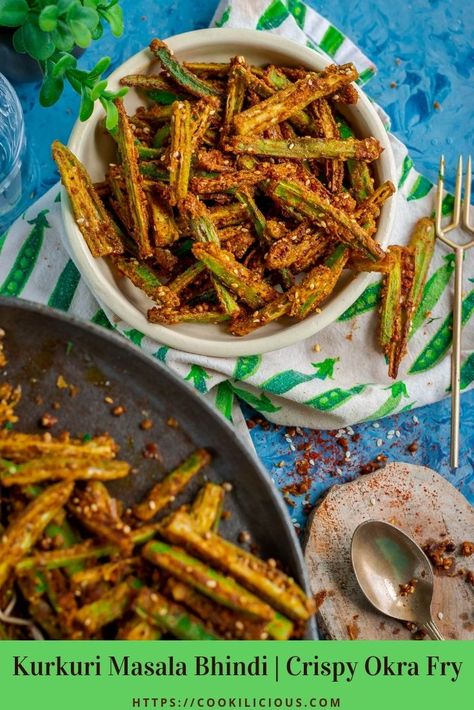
[17, 171]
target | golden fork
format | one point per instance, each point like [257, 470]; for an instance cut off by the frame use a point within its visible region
[460, 218]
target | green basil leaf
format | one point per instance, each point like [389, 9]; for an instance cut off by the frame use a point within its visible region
[18, 41]
[111, 118]
[62, 37]
[114, 16]
[101, 66]
[87, 15]
[98, 89]
[65, 62]
[48, 18]
[39, 44]
[98, 31]
[81, 33]
[13, 12]
[51, 90]
[87, 105]
[65, 5]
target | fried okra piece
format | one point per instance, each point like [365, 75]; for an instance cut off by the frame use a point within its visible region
[307, 148]
[360, 178]
[180, 151]
[397, 285]
[402, 291]
[82, 552]
[56, 468]
[179, 73]
[19, 447]
[370, 207]
[100, 513]
[227, 622]
[236, 87]
[315, 208]
[172, 485]
[138, 205]
[164, 228]
[248, 286]
[301, 299]
[306, 297]
[138, 630]
[226, 300]
[109, 607]
[285, 103]
[203, 112]
[21, 535]
[199, 219]
[145, 278]
[296, 245]
[228, 215]
[93, 220]
[111, 572]
[219, 587]
[206, 509]
[327, 128]
[279, 590]
[171, 617]
[170, 316]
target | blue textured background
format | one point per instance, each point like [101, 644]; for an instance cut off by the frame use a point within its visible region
[424, 54]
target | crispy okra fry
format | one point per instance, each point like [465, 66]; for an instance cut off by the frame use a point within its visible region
[228, 215]
[306, 148]
[92, 218]
[262, 316]
[312, 206]
[111, 572]
[99, 512]
[19, 447]
[370, 207]
[145, 278]
[206, 509]
[164, 228]
[169, 616]
[224, 182]
[200, 220]
[82, 552]
[247, 285]
[271, 584]
[203, 112]
[154, 171]
[318, 285]
[236, 87]
[415, 261]
[225, 621]
[55, 468]
[180, 151]
[186, 277]
[149, 82]
[287, 102]
[172, 485]
[226, 300]
[361, 180]
[139, 630]
[22, 534]
[301, 242]
[219, 587]
[170, 316]
[110, 607]
[134, 183]
[328, 128]
[390, 326]
[179, 73]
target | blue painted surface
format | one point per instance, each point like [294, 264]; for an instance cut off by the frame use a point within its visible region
[424, 54]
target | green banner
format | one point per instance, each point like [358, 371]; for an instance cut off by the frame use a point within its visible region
[360, 675]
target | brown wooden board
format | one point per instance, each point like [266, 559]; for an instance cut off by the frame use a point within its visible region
[419, 501]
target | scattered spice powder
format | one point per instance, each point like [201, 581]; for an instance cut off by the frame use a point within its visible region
[48, 420]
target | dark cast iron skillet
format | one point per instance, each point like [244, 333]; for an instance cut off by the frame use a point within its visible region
[42, 344]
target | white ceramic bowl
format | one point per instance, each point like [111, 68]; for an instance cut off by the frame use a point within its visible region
[95, 150]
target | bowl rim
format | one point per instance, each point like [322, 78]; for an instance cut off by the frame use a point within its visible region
[113, 298]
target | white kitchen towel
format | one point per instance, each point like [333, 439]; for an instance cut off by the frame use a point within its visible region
[335, 378]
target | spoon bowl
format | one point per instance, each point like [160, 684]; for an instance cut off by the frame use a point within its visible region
[394, 573]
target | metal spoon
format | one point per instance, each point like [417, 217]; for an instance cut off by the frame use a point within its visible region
[384, 558]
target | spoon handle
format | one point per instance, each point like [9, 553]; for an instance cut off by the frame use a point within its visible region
[433, 631]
